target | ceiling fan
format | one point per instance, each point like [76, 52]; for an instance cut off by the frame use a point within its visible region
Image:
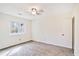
[34, 11]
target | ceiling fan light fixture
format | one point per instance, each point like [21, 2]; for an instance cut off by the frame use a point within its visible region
[34, 11]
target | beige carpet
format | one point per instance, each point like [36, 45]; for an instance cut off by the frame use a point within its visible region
[36, 49]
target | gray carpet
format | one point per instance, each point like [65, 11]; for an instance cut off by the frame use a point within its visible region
[36, 49]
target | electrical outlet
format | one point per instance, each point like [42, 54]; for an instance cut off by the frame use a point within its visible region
[62, 34]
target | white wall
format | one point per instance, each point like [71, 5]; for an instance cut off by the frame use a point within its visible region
[50, 27]
[5, 38]
[76, 41]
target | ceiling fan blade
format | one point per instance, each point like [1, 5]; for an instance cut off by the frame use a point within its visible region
[41, 10]
[27, 12]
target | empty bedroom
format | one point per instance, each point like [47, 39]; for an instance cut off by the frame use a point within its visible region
[39, 29]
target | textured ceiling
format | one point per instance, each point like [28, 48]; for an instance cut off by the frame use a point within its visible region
[19, 9]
